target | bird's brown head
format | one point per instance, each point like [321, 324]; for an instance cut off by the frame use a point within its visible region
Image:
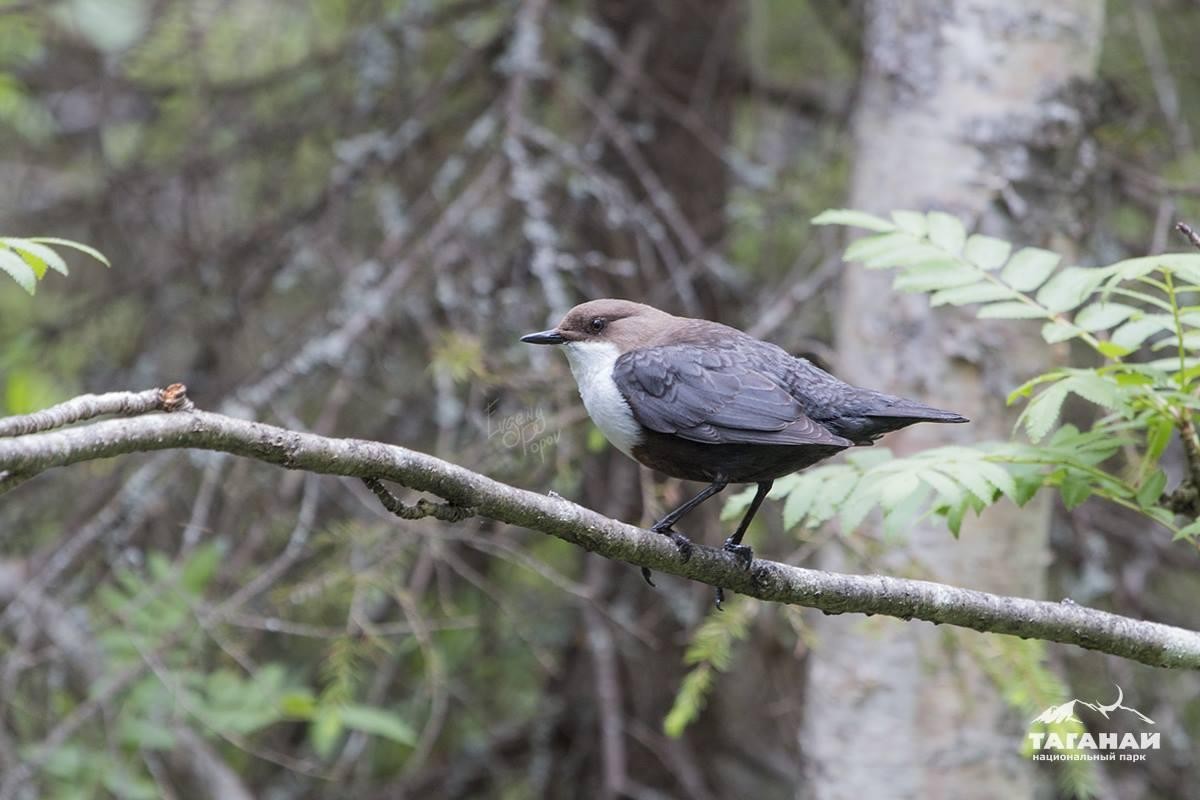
[622, 323]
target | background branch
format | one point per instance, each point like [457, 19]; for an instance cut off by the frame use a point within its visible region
[833, 593]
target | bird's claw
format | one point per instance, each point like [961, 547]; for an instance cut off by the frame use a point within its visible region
[720, 598]
[742, 552]
[681, 542]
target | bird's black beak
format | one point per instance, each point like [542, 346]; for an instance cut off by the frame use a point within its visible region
[545, 337]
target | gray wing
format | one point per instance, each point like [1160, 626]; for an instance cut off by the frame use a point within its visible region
[714, 395]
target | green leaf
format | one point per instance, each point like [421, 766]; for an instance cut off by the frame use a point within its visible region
[911, 221]
[1011, 310]
[1158, 436]
[853, 219]
[1151, 489]
[867, 458]
[738, 503]
[36, 264]
[1029, 268]
[983, 292]
[1074, 490]
[934, 276]
[1028, 485]
[954, 518]
[899, 518]
[1055, 332]
[1042, 412]
[946, 488]
[693, 693]
[1026, 388]
[907, 253]
[839, 483]
[1132, 334]
[856, 508]
[999, 477]
[298, 704]
[896, 488]
[798, 503]
[1069, 288]
[986, 252]
[18, 270]
[946, 232]
[1096, 389]
[1190, 531]
[43, 255]
[325, 730]
[1102, 316]
[83, 248]
[978, 485]
[378, 722]
[1112, 350]
[873, 250]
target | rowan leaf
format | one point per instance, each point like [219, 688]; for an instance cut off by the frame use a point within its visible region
[946, 232]
[986, 252]
[18, 270]
[1029, 268]
[853, 219]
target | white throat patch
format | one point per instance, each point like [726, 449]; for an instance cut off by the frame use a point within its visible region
[592, 365]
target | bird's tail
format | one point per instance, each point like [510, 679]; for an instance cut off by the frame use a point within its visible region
[918, 412]
[889, 413]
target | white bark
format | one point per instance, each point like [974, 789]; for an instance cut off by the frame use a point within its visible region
[956, 98]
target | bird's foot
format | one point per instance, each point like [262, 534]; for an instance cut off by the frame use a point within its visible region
[720, 598]
[744, 552]
[681, 542]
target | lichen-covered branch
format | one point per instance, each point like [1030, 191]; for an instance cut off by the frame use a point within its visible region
[834, 593]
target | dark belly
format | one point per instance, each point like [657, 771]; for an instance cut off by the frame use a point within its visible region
[735, 463]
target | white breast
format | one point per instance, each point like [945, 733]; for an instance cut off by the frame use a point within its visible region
[592, 366]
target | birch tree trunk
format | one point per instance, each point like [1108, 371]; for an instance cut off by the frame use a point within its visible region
[963, 105]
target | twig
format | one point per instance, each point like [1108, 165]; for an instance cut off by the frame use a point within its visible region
[423, 508]
[1148, 642]
[90, 406]
[1185, 499]
[1189, 233]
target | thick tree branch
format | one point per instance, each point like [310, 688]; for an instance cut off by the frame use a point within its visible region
[1147, 642]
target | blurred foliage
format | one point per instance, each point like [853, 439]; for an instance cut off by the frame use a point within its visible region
[1128, 314]
[711, 650]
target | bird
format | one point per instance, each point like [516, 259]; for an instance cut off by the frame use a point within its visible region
[702, 401]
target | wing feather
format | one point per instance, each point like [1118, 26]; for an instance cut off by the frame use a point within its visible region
[714, 395]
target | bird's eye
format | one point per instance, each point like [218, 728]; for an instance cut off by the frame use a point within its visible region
[597, 324]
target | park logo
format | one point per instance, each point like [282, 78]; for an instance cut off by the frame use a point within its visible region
[1050, 744]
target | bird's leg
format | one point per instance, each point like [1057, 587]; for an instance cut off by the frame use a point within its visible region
[666, 525]
[734, 543]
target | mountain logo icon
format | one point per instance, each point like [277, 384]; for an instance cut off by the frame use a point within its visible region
[1066, 711]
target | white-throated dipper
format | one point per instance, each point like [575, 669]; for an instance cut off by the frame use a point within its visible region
[702, 401]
